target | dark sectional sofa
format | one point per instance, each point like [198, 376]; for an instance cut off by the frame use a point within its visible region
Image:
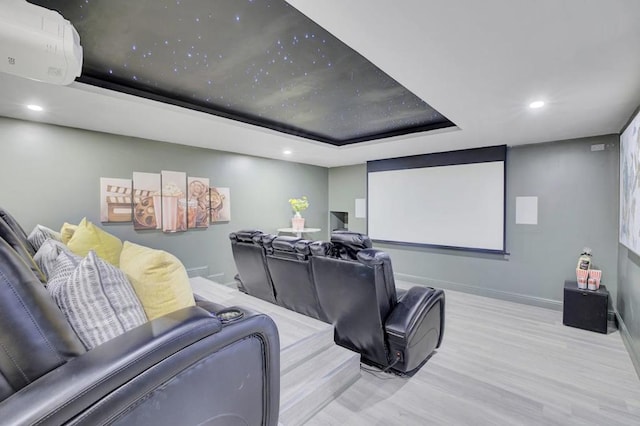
[349, 284]
[187, 367]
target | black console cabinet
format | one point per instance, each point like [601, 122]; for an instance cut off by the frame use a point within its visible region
[586, 309]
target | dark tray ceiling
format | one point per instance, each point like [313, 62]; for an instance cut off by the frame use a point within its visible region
[260, 62]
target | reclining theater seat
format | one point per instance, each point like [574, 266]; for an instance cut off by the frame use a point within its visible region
[359, 298]
[18, 230]
[22, 247]
[249, 255]
[31, 343]
[290, 269]
[347, 244]
[187, 367]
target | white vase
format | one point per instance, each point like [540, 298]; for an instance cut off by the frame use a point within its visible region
[297, 222]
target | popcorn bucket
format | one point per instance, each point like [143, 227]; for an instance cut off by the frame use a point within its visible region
[582, 275]
[595, 275]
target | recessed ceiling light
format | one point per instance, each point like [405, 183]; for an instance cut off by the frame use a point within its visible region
[536, 104]
[287, 152]
[35, 107]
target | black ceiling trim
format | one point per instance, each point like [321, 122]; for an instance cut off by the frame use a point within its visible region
[260, 122]
[232, 115]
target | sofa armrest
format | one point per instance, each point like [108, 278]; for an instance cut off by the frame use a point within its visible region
[214, 308]
[182, 368]
[415, 327]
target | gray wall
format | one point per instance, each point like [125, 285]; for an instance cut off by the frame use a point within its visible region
[345, 185]
[577, 207]
[51, 174]
[628, 302]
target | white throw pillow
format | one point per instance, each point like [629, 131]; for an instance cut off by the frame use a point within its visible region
[65, 265]
[98, 301]
[47, 256]
[40, 234]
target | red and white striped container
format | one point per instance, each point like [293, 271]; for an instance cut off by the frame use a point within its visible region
[582, 275]
[594, 279]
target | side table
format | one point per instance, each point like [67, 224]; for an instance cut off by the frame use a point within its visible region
[586, 309]
[299, 232]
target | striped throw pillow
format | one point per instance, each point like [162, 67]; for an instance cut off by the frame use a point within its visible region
[40, 234]
[98, 301]
[66, 263]
[47, 256]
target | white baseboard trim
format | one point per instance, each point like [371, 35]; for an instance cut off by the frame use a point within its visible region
[198, 271]
[479, 291]
[216, 277]
[626, 339]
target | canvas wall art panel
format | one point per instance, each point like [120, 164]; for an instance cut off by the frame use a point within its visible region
[220, 199]
[115, 200]
[147, 208]
[174, 201]
[198, 202]
[630, 186]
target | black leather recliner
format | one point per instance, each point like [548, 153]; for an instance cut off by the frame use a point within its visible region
[249, 254]
[347, 244]
[347, 283]
[290, 269]
[18, 241]
[359, 297]
[188, 367]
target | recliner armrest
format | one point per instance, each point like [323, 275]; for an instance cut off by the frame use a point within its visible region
[111, 380]
[416, 326]
[214, 308]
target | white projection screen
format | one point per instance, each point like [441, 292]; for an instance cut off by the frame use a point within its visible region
[452, 200]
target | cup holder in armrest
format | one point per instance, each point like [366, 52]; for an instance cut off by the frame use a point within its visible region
[229, 315]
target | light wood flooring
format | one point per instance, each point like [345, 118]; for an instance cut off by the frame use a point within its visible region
[501, 363]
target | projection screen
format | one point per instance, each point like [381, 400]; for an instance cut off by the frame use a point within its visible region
[452, 199]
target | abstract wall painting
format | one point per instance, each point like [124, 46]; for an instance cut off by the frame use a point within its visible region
[147, 207]
[174, 201]
[630, 186]
[220, 199]
[115, 200]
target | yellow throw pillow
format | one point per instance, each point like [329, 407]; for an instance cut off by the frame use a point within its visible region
[89, 237]
[158, 278]
[67, 232]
